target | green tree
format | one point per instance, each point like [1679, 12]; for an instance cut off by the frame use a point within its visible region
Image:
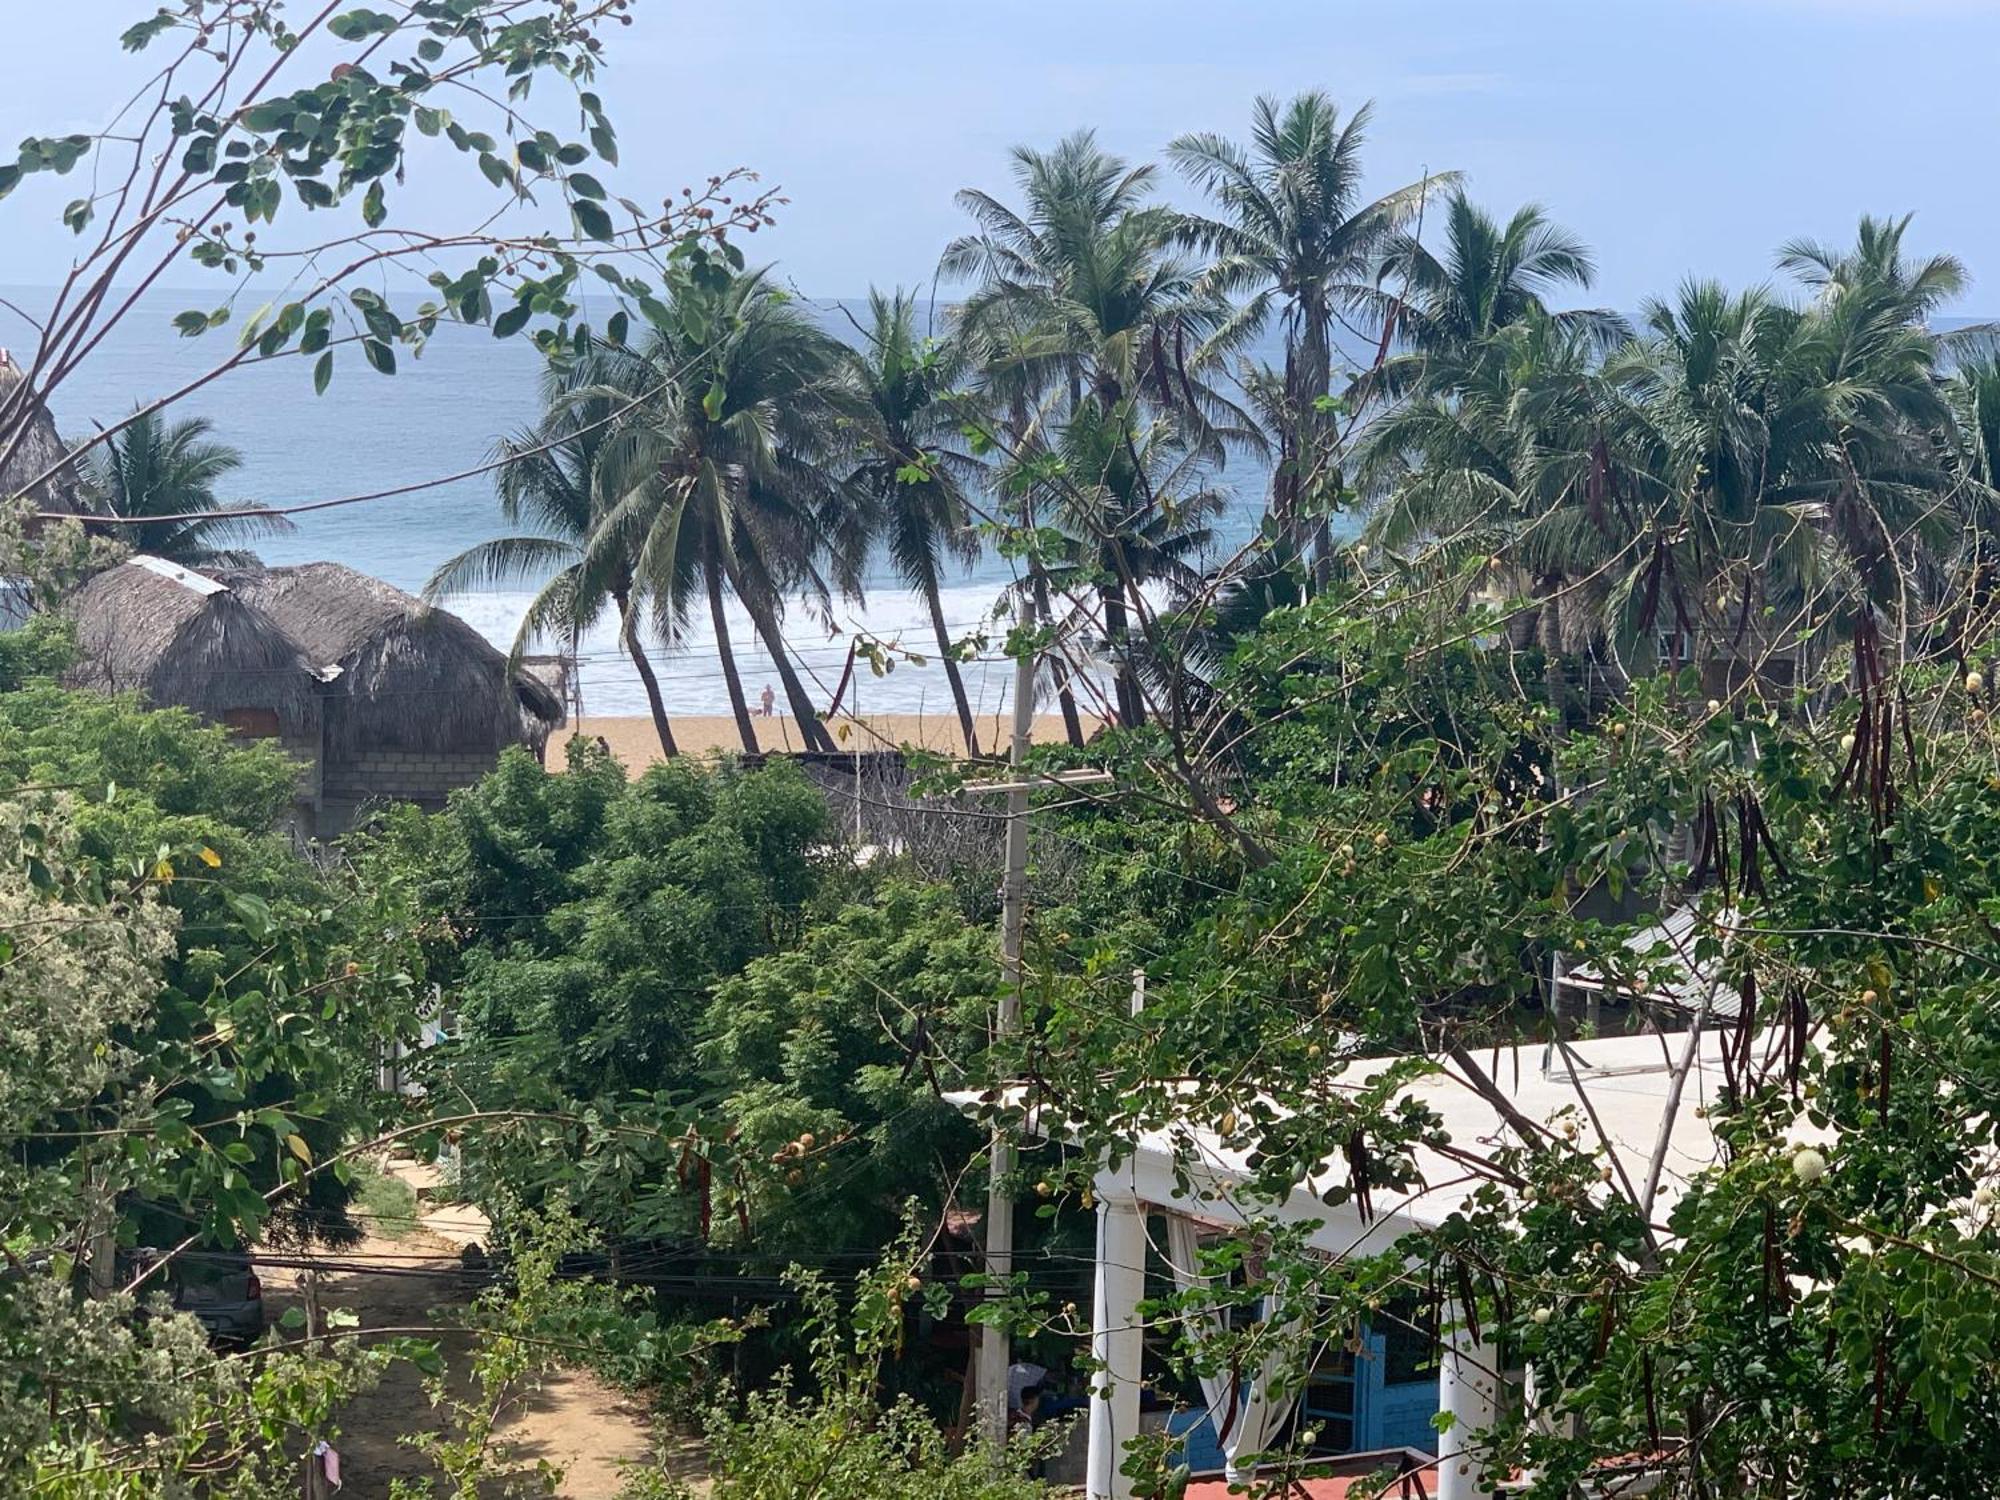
[166, 473]
[1296, 241]
[583, 923]
[826, 1058]
[551, 482]
[1081, 296]
[1441, 307]
[727, 467]
[914, 468]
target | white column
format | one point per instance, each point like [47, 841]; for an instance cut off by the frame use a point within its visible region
[1116, 1340]
[1469, 1389]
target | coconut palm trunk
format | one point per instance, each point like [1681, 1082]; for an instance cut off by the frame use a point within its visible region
[765, 623]
[1059, 665]
[1125, 681]
[1309, 378]
[629, 634]
[1555, 677]
[951, 672]
[712, 577]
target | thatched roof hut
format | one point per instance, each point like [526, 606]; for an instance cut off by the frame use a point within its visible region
[411, 677]
[173, 636]
[39, 450]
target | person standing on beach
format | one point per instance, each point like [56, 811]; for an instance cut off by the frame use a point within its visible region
[769, 698]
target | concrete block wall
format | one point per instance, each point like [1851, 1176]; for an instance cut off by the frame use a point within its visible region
[403, 775]
[304, 750]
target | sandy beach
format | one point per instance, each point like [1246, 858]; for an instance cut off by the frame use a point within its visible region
[636, 745]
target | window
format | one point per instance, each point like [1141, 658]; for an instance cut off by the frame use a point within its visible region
[251, 723]
[1675, 648]
[1409, 1343]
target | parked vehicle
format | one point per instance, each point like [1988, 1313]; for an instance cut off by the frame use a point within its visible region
[220, 1289]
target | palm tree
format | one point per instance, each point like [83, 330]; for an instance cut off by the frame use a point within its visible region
[1871, 411]
[1081, 293]
[1489, 277]
[1808, 455]
[171, 469]
[1143, 518]
[1522, 460]
[1876, 267]
[741, 409]
[913, 467]
[551, 483]
[1296, 240]
[1083, 306]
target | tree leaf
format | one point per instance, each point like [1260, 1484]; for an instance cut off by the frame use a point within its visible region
[373, 210]
[322, 373]
[272, 114]
[512, 321]
[380, 355]
[353, 25]
[712, 402]
[585, 186]
[592, 219]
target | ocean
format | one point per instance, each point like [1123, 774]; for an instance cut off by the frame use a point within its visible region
[441, 414]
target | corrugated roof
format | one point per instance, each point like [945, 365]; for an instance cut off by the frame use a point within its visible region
[1681, 980]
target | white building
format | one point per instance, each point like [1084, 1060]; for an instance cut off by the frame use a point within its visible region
[1182, 1182]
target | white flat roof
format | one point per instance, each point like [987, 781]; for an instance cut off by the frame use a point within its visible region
[1625, 1079]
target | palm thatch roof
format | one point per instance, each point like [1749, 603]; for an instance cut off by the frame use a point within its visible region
[175, 637]
[40, 450]
[411, 677]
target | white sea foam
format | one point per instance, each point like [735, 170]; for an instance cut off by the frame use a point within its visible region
[691, 677]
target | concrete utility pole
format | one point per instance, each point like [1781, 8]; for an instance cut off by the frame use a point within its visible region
[995, 1345]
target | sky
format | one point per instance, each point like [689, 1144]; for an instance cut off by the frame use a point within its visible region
[1675, 136]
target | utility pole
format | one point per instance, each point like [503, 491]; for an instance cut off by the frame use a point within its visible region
[315, 1487]
[995, 1344]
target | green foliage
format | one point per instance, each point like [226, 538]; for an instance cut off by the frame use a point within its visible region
[267, 1002]
[582, 924]
[826, 1058]
[1820, 1304]
[599, 914]
[845, 1442]
[40, 648]
[101, 1401]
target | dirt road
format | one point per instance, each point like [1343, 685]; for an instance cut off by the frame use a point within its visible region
[574, 1421]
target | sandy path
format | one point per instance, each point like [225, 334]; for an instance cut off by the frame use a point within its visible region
[575, 1421]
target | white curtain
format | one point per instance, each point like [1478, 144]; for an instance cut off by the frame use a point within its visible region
[1247, 1419]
